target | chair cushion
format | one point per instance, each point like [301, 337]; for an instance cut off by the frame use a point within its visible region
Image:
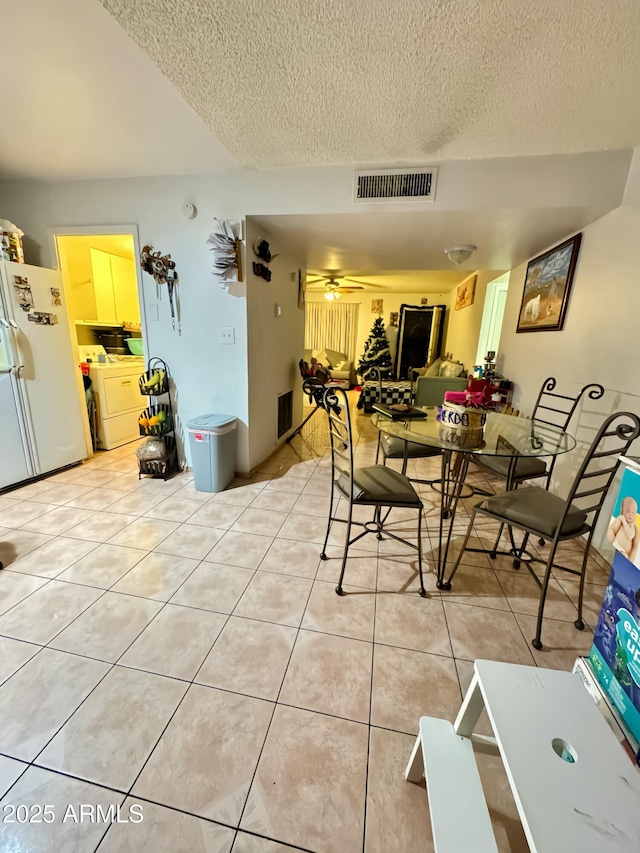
[537, 509]
[393, 448]
[526, 466]
[377, 484]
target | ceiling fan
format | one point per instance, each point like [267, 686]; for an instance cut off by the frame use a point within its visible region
[332, 287]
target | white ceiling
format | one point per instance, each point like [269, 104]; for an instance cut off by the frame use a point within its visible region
[400, 82]
[80, 99]
[367, 243]
[398, 281]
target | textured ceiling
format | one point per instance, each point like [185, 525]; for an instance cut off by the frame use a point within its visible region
[291, 83]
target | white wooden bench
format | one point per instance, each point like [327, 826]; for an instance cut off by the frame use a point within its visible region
[459, 815]
[575, 789]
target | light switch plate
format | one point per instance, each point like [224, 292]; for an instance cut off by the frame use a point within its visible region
[227, 335]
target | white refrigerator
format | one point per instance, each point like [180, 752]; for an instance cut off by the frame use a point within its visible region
[41, 416]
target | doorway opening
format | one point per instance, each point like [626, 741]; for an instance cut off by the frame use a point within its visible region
[102, 292]
[492, 316]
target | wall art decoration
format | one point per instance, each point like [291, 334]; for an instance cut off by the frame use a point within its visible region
[163, 270]
[262, 271]
[547, 285]
[226, 244]
[393, 318]
[424, 301]
[262, 251]
[466, 293]
[23, 294]
[42, 319]
[377, 306]
[56, 300]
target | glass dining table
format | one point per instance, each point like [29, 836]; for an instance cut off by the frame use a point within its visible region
[503, 435]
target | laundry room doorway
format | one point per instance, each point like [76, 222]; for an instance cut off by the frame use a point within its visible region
[104, 306]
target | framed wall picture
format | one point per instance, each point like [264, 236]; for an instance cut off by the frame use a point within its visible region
[302, 289]
[377, 306]
[547, 285]
[466, 293]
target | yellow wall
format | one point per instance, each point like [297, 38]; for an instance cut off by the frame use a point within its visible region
[104, 291]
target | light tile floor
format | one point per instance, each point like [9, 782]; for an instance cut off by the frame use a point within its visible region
[187, 653]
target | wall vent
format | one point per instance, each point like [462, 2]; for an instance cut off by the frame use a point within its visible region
[395, 185]
[285, 412]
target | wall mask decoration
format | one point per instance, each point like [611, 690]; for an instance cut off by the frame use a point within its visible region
[262, 251]
[226, 244]
[262, 271]
[163, 270]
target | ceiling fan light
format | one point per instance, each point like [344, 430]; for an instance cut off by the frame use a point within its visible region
[460, 254]
[332, 295]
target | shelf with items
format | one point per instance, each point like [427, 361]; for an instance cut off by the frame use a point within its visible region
[157, 422]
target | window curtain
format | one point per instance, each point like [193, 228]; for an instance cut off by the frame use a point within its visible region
[332, 326]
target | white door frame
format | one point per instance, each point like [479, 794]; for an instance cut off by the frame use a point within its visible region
[84, 231]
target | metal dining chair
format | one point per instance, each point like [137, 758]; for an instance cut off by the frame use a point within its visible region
[550, 408]
[538, 512]
[374, 486]
[392, 447]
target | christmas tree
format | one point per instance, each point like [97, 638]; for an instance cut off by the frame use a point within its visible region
[376, 351]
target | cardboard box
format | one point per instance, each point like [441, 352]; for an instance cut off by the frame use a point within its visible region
[615, 653]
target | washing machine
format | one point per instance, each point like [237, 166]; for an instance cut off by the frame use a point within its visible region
[117, 395]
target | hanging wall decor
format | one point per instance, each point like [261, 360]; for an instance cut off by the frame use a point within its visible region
[226, 244]
[163, 270]
[262, 251]
[547, 286]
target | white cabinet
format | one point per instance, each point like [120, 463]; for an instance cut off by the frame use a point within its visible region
[116, 288]
[125, 289]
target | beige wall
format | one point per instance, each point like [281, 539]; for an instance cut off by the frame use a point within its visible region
[463, 329]
[599, 341]
[274, 345]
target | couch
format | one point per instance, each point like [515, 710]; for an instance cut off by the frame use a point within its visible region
[429, 390]
[340, 367]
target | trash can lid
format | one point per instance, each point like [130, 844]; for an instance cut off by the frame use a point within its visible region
[211, 421]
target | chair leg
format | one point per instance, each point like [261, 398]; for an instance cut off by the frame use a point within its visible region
[323, 555]
[405, 458]
[423, 591]
[378, 447]
[447, 584]
[339, 589]
[537, 642]
[494, 553]
[579, 623]
[517, 560]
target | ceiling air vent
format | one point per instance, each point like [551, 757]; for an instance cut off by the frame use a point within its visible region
[395, 185]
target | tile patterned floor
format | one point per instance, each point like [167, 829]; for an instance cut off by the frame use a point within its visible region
[186, 653]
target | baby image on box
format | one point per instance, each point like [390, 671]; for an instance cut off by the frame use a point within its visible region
[624, 530]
